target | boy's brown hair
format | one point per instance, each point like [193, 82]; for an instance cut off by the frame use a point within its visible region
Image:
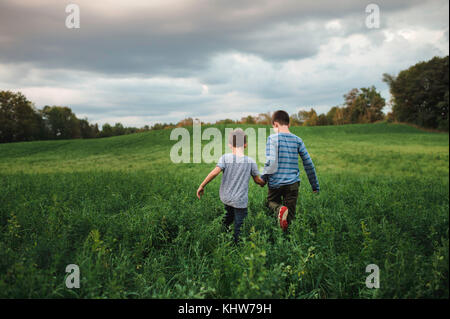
[237, 138]
[280, 116]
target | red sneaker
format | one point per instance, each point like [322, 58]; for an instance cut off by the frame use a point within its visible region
[282, 216]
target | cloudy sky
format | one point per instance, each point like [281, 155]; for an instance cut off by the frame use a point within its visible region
[142, 62]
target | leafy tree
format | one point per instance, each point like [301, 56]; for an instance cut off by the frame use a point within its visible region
[85, 129]
[61, 122]
[107, 130]
[294, 120]
[264, 118]
[248, 120]
[88, 130]
[95, 130]
[131, 130]
[186, 122]
[118, 129]
[19, 121]
[352, 114]
[363, 106]
[322, 120]
[308, 118]
[297, 119]
[372, 103]
[339, 117]
[331, 113]
[420, 93]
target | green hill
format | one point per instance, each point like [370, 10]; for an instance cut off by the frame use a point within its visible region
[121, 210]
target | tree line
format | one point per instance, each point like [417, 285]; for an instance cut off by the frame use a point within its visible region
[363, 105]
[420, 96]
[21, 121]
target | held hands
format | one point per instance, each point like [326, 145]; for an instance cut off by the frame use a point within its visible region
[264, 179]
[200, 191]
[258, 180]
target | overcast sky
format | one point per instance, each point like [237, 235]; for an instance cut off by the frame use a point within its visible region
[142, 62]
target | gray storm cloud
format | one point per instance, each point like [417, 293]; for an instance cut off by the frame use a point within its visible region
[174, 38]
[156, 60]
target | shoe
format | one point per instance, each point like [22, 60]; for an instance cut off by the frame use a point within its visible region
[282, 216]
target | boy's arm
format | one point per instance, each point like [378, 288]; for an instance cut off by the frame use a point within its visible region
[308, 165]
[201, 189]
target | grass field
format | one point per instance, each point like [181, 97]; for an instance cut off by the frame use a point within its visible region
[128, 216]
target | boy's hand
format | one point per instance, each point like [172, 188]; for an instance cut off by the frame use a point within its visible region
[315, 191]
[200, 192]
[258, 180]
[216, 171]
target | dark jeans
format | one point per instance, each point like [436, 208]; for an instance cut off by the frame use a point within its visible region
[236, 215]
[287, 196]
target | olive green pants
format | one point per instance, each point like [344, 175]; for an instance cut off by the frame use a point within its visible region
[287, 196]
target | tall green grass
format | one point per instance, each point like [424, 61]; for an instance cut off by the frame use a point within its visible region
[128, 216]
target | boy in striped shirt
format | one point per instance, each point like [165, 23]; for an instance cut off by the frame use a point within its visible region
[281, 170]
